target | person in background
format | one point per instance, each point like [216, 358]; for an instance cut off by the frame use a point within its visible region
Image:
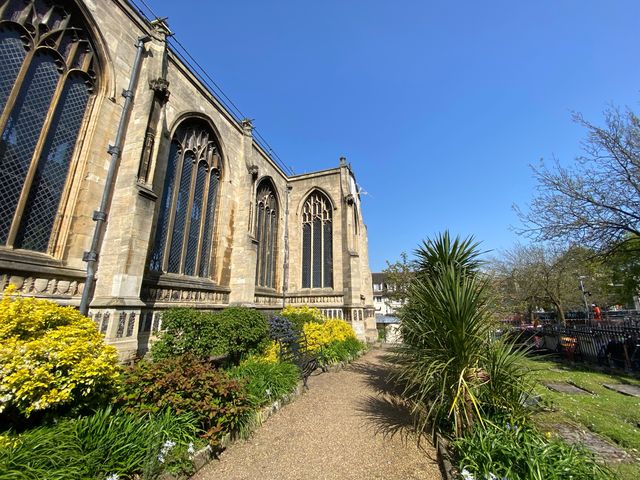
[597, 313]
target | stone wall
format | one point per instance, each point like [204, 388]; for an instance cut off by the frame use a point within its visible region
[127, 300]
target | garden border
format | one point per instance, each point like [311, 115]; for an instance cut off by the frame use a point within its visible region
[448, 471]
[205, 455]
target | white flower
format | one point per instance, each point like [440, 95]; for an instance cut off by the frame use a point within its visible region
[168, 445]
[491, 476]
[113, 476]
[190, 449]
[466, 474]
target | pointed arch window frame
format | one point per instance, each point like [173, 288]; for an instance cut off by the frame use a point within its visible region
[266, 233]
[49, 33]
[317, 241]
[190, 196]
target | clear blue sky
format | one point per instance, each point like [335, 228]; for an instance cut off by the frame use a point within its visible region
[439, 106]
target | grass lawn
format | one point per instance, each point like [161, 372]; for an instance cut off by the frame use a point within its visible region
[612, 415]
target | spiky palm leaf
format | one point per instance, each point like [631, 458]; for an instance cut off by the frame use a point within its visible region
[446, 328]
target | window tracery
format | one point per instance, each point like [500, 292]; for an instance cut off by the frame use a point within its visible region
[46, 82]
[266, 234]
[184, 231]
[317, 242]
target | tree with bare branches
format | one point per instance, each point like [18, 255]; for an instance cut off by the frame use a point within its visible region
[596, 202]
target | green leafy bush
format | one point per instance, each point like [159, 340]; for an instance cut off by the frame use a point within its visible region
[189, 331]
[100, 445]
[185, 384]
[52, 359]
[522, 453]
[244, 331]
[266, 381]
[236, 332]
[341, 351]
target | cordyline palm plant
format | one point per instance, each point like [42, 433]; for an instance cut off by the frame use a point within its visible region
[448, 362]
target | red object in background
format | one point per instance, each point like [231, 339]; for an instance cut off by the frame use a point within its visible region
[597, 313]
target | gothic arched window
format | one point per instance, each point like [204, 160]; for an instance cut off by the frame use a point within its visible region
[266, 234]
[184, 232]
[317, 242]
[47, 78]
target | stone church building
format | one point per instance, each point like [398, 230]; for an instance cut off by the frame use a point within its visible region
[127, 187]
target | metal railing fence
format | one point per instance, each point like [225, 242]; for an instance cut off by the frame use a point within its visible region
[613, 344]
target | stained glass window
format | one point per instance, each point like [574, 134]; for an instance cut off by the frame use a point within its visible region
[165, 206]
[208, 225]
[53, 166]
[44, 92]
[266, 233]
[187, 209]
[317, 242]
[181, 209]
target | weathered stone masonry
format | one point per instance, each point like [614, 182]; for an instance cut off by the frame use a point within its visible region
[214, 244]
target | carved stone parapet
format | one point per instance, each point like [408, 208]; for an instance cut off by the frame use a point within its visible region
[42, 286]
[178, 295]
[315, 299]
[124, 326]
[333, 313]
[268, 300]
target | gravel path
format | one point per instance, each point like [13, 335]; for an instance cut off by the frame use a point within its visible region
[348, 426]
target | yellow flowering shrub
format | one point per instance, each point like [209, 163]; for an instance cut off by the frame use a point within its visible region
[332, 330]
[51, 356]
[312, 312]
[302, 314]
[270, 355]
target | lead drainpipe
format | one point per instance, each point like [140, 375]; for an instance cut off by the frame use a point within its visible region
[285, 276]
[100, 216]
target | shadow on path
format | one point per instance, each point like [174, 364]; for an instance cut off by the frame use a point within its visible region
[378, 375]
[387, 412]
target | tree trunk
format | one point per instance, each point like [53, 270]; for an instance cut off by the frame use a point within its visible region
[560, 312]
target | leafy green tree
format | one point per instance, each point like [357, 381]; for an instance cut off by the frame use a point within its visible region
[399, 275]
[625, 265]
[548, 276]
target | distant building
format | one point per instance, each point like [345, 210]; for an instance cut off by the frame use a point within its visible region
[386, 307]
[383, 304]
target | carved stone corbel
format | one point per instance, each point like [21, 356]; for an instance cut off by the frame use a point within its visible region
[349, 198]
[160, 87]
